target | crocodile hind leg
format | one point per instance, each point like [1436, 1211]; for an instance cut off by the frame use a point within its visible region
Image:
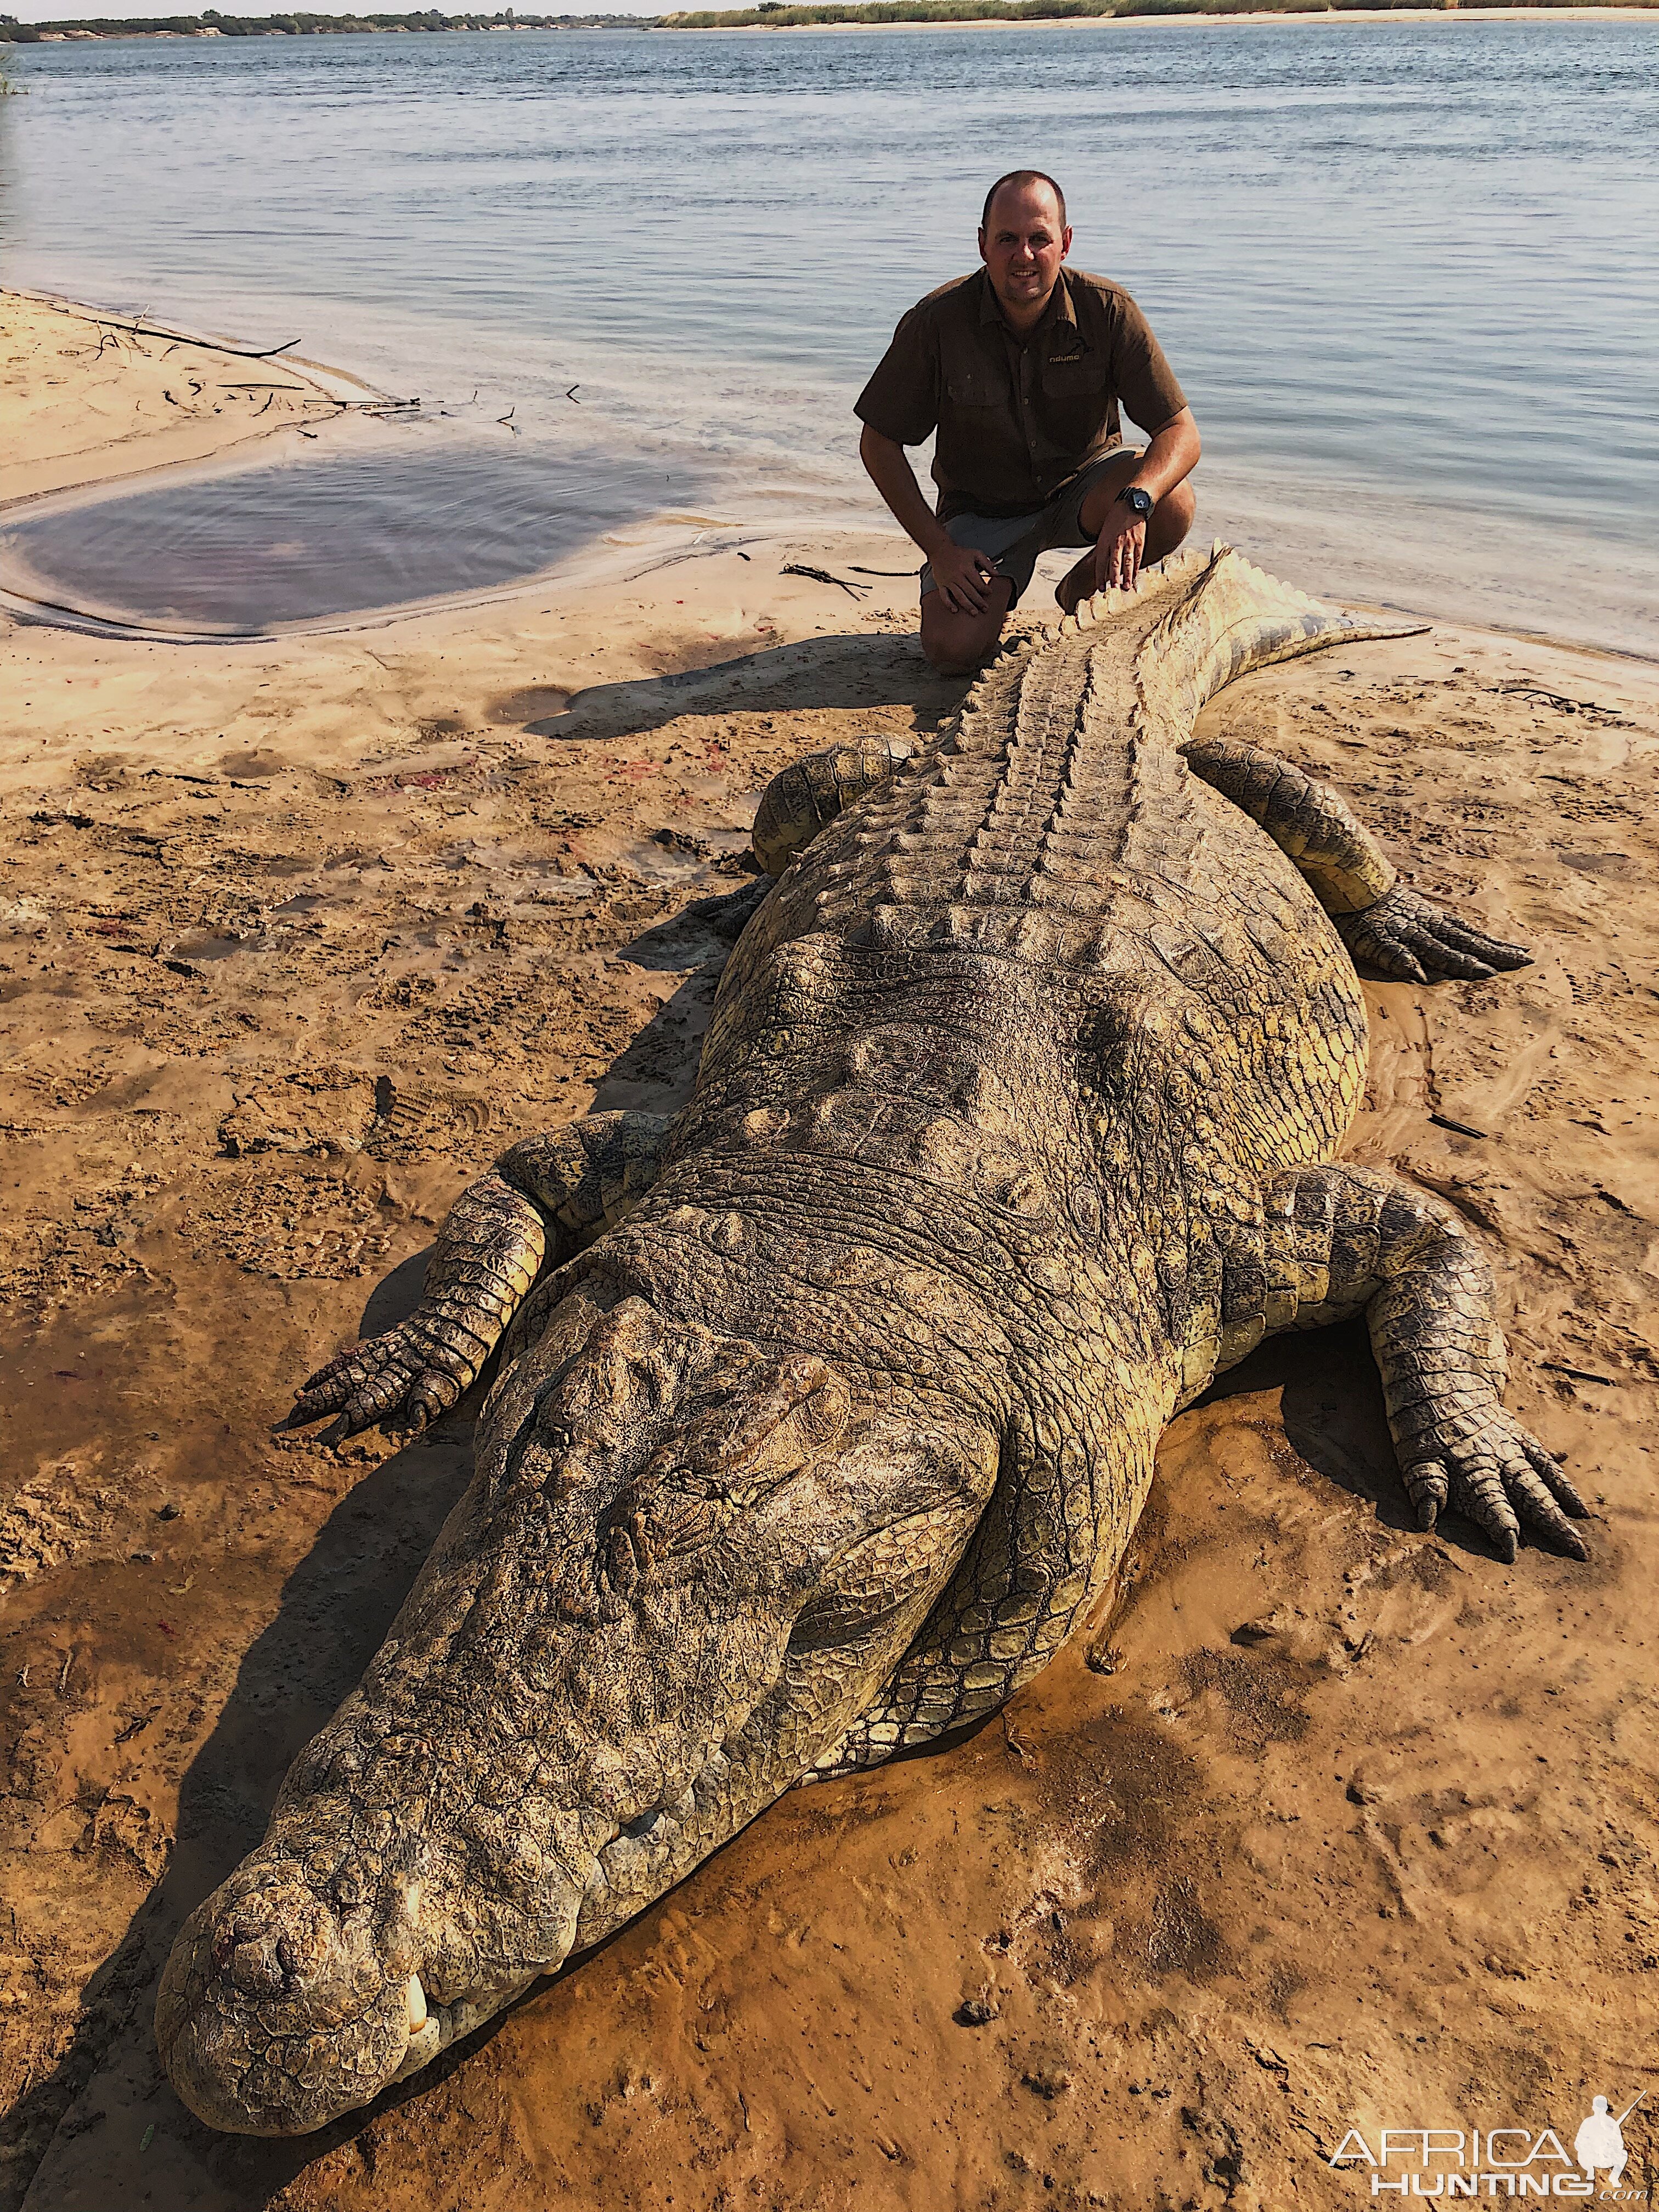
[1380, 921]
[544, 1198]
[803, 797]
[1337, 1241]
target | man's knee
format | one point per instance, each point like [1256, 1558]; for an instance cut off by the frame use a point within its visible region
[1172, 517]
[954, 642]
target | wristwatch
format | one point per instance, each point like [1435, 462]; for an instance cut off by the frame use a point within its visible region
[1140, 500]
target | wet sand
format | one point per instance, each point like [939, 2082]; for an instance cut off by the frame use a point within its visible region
[1325, 1824]
[89, 397]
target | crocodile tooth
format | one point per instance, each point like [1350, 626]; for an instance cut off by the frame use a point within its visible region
[417, 2005]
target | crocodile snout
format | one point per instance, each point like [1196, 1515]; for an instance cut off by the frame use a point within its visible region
[276, 2012]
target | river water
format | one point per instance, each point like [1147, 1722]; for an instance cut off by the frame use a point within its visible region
[1404, 270]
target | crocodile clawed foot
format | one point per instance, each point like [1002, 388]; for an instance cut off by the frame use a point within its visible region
[405, 1380]
[1409, 937]
[1498, 1476]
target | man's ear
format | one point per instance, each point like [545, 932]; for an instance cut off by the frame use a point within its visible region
[982, 254]
[1065, 241]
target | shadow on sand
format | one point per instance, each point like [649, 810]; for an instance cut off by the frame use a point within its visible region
[845, 671]
[1331, 1403]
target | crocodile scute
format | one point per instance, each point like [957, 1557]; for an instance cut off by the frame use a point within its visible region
[826, 1405]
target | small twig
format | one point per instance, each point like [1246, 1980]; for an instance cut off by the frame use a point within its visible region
[823, 576]
[1556, 698]
[241, 353]
[507, 417]
[571, 395]
[1462, 1129]
[860, 571]
[1578, 1374]
[247, 384]
[738, 550]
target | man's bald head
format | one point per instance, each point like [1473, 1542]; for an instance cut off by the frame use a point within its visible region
[1023, 180]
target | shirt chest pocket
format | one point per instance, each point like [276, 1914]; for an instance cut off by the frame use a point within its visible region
[1082, 377]
[977, 383]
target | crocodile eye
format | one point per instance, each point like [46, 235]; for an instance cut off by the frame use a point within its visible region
[662, 1517]
[799, 1413]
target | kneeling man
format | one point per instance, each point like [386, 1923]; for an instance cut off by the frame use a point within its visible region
[1020, 368]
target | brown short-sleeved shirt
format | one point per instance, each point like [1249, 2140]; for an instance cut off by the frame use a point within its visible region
[1017, 419]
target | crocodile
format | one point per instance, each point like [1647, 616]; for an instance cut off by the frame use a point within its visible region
[824, 1406]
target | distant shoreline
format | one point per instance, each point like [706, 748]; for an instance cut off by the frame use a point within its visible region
[1189, 19]
[29, 34]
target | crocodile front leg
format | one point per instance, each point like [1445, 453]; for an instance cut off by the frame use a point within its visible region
[546, 1198]
[1337, 1241]
[1379, 919]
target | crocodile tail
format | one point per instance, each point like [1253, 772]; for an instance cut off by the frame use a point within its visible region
[1228, 619]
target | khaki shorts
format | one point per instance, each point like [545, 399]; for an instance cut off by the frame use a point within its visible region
[1012, 542]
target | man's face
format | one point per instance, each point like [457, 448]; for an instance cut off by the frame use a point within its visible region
[1023, 246]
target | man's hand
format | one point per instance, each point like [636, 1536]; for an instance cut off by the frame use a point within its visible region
[961, 574]
[1119, 549]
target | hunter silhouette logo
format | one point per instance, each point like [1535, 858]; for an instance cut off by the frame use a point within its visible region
[1600, 2141]
[1453, 2162]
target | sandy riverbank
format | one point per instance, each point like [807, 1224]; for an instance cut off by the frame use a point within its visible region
[1350, 1827]
[87, 397]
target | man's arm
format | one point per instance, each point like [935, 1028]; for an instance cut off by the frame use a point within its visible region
[1168, 459]
[960, 572]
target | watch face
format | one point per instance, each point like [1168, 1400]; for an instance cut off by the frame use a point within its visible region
[1141, 502]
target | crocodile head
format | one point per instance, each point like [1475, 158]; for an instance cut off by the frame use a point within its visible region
[685, 1565]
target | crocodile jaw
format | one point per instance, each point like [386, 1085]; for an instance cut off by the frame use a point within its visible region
[277, 2012]
[276, 2015]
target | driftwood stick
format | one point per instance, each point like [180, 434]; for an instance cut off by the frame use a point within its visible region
[823, 576]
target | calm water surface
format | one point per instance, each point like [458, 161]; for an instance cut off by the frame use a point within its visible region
[1404, 270]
